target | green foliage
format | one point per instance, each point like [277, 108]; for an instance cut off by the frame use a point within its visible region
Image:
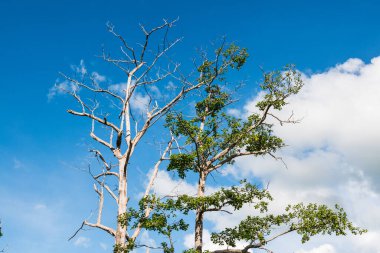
[263, 139]
[179, 126]
[213, 103]
[279, 85]
[307, 221]
[130, 245]
[162, 219]
[181, 163]
[316, 219]
[234, 197]
[166, 248]
[232, 57]
[195, 251]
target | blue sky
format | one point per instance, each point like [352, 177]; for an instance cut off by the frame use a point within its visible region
[43, 193]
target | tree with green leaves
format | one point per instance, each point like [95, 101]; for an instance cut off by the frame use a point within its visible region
[214, 139]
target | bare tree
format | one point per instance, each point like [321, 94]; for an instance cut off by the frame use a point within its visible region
[147, 67]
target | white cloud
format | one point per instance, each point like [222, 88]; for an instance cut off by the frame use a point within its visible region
[98, 77]
[352, 66]
[332, 155]
[165, 185]
[145, 239]
[234, 112]
[170, 86]
[82, 242]
[140, 103]
[80, 69]
[325, 248]
[339, 109]
[118, 87]
[60, 88]
[340, 113]
[368, 242]
[155, 92]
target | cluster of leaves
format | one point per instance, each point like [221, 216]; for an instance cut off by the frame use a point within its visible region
[128, 247]
[307, 221]
[232, 57]
[195, 251]
[316, 219]
[162, 218]
[261, 138]
[278, 86]
[234, 197]
[182, 163]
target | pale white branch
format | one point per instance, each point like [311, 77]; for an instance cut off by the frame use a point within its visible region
[107, 173]
[92, 116]
[101, 141]
[99, 155]
[150, 185]
[102, 227]
[96, 90]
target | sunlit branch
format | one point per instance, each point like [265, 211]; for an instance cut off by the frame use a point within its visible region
[150, 185]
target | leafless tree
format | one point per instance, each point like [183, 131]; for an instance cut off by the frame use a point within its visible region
[122, 130]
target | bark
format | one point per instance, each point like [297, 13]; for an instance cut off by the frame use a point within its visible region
[198, 238]
[122, 203]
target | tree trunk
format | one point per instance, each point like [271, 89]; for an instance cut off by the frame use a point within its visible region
[198, 240]
[122, 204]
